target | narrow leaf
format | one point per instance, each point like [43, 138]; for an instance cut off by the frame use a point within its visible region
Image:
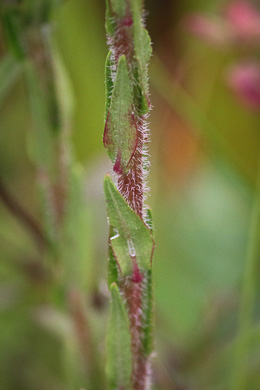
[11, 23]
[133, 240]
[120, 135]
[112, 267]
[143, 51]
[108, 81]
[118, 7]
[115, 10]
[119, 360]
[110, 23]
[10, 70]
[63, 92]
[41, 146]
[77, 237]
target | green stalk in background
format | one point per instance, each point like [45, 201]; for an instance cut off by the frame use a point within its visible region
[28, 27]
[248, 297]
[131, 244]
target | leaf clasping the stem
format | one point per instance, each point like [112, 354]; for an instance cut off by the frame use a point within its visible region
[134, 238]
[119, 362]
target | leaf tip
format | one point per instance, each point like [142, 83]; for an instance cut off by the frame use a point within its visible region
[113, 287]
[108, 184]
[122, 66]
[107, 180]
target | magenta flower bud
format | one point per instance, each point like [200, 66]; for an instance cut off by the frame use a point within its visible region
[240, 23]
[244, 19]
[244, 79]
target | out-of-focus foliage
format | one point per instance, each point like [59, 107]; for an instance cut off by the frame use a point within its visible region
[204, 149]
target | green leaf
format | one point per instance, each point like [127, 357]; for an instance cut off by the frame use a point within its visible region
[119, 360]
[77, 238]
[143, 51]
[108, 81]
[112, 267]
[141, 101]
[133, 239]
[120, 135]
[118, 7]
[110, 25]
[62, 89]
[11, 21]
[10, 70]
[115, 9]
[41, 143]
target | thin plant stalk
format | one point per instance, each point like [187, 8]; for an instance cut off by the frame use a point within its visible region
[248, 296]
[131, 242]
[180, 101]
[26, 220]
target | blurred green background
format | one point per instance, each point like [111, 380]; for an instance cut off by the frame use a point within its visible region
[204, 152]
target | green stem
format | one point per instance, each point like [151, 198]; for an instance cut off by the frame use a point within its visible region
[10, 71]
[248, 294]
[131, 243]
[50, 149]
[16, 209]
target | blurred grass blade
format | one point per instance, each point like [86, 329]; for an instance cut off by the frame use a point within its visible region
[133, 238]
[63, 88]
[248, 297]
[119, 360]
[180, 101]
[77, 240]
[41, 147]
[13, 31]
[10, 70]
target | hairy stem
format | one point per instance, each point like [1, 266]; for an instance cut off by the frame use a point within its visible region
[131, 185]
[126, 138]
[133, 294]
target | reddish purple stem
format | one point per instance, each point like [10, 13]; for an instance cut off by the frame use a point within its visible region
[131, 186]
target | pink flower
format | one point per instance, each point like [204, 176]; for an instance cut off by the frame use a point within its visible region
[244, 79]
[214, 31]
[244, 18]
[240, 23]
